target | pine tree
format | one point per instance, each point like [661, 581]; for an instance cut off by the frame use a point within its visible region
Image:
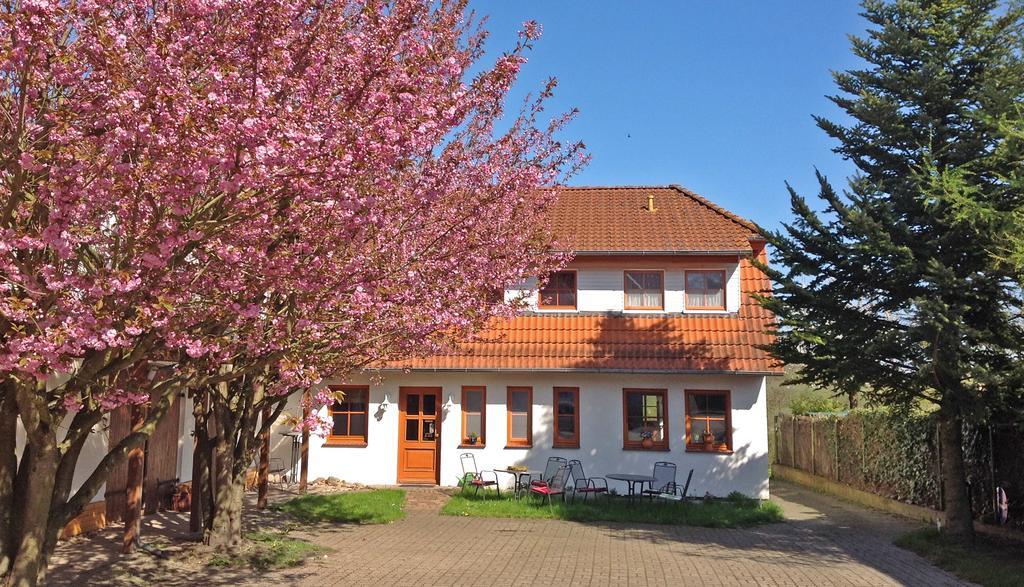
[897, 287]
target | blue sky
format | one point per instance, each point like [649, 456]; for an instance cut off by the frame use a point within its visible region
[716, 96]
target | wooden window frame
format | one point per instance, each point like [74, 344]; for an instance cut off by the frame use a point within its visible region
[576, 292]
[575, 441]
[686, 290]
[482, 440]
[625, 292]
[349, 440]
[720, 447]
[516, 442]
[627, 444]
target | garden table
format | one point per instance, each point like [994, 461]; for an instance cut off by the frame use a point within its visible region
[632, 481]
[518, 476]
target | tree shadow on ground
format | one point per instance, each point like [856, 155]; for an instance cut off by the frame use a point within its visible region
[819, 530]
[172, 555]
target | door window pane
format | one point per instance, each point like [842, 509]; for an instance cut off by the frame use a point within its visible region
[412, 429]
[429, 404]
[412, 404]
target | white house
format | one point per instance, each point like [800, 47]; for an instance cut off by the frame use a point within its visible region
[650, 329]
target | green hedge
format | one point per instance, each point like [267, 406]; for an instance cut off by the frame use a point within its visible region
[897, 456]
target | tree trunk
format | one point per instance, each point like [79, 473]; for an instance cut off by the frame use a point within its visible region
[133, 488]
[29, 566]
[8, 474]
[200, 468]
[304, 448]
[225, 531]
[264, 470]
[959, 518]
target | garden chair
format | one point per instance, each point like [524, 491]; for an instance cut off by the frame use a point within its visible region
[583, 484]
[554, 486]
[664, 479]
[549, 470]
[476, 478]
[675, 493]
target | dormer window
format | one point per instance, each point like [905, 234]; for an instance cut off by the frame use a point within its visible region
[560, 292]
[645, 290]
[705, 290]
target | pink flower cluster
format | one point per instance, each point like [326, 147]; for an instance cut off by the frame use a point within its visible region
[321, 183]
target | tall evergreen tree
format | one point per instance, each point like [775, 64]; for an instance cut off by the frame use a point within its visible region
[890, 289]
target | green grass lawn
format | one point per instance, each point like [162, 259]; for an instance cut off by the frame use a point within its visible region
[734, 512]
[265, 551]
[379, 506]
[987, 562]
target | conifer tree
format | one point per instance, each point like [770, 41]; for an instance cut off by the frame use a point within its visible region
[896, 287]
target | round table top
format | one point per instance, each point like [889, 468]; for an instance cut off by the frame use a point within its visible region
[518, 472]
[629, 477]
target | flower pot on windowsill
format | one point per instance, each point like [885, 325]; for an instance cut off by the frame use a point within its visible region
[709, 441]
[647, 442]
[471, 440]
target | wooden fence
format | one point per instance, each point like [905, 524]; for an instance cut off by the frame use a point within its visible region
[898, 458]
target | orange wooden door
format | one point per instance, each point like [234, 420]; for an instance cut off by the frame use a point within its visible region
[419, 434]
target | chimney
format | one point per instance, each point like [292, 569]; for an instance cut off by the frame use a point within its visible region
[650, 203]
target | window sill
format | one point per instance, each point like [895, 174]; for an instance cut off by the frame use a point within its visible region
[642, 449]
[477, 445]
[508, 446]
[565, 445]
[348, 443]
[714, 451]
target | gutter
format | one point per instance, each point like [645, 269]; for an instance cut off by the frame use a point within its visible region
[660, 253]
[572, 370]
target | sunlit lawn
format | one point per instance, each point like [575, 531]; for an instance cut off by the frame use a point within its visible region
[987, 562]
[733, 512]
[379, 506]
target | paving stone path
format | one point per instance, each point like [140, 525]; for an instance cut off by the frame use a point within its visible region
[823, 542]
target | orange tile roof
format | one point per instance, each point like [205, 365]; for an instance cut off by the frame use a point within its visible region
[615, 342]
[616, 220]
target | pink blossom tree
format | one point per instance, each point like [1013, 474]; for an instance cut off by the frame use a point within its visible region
[236, 188]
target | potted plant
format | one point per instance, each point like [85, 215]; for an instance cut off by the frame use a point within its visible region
[472, 437]
[647, 439]
[709, 440]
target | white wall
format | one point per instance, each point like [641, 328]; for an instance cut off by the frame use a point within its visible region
[600, 289]
[745, 470]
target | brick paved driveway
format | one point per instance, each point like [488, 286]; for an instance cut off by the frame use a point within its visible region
[824, 543]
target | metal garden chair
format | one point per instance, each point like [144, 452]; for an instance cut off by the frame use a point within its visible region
[583, 484]
[549, 470]
[664, 479]
[472, 476]
[676, 493]
[554, 486]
